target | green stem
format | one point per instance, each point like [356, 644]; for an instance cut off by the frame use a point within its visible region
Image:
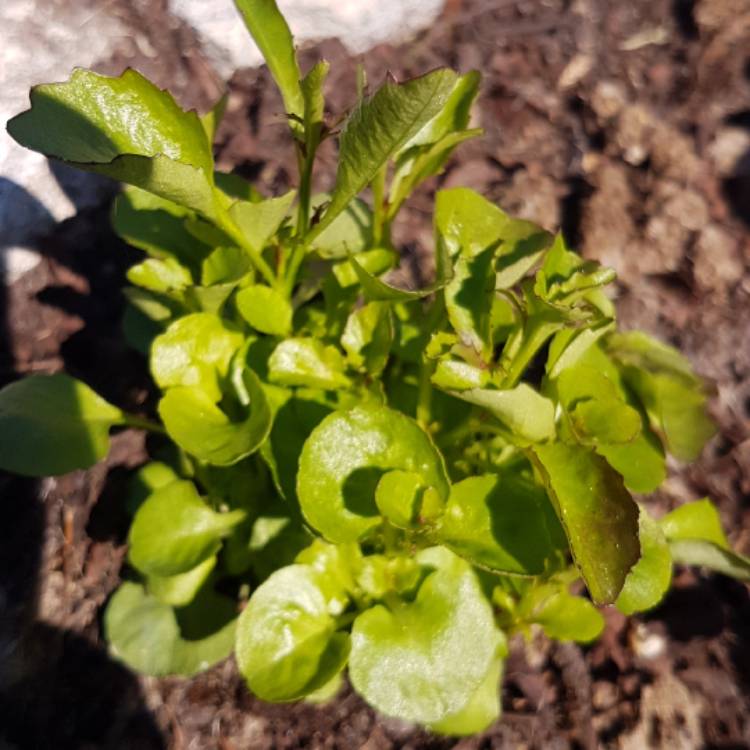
[228, 226]
[433, 322]
[132, 420]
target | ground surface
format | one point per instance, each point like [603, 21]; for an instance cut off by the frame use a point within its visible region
[628, 124]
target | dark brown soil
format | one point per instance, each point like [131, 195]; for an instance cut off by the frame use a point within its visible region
[626, 124]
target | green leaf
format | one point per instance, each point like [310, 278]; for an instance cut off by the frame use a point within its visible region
[673, 396]
[708, 555]
[650, 577]
[225, 265]
[425, 660]
[640, 462]
[160, 275]
[398, 496]
[180, 590]
[53, 424]
[259, 221]
[271, 33]
[295, 418]
[307, 362]
[528, 415]
[175, 530]
[562, 616]
[696, 538]
[265, 309]
[212, 119]
[156, 226]
[377, 128]
[349, 233]
[368, 336]
[482, 709]
[375, 262]
[287, 644]
[314, 105]
[503, 524]
[597, 512]
[200, 426]
[195, 351]
[154, 639]
[143, 482]
[125, 128]
[344, 459]
[457, 375]
[377, 290]
[696, 520]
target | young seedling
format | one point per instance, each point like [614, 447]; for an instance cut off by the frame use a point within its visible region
[379, 467]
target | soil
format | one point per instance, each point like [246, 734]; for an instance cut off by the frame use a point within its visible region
[626, 124]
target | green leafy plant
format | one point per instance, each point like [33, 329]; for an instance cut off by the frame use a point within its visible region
[386, 480]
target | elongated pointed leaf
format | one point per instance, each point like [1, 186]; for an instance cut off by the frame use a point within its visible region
[345, 457]
[598, 514]
[380, 126]
[125, 128]
[271, 33]
[53, 424]
[175, 530]
[424, 661]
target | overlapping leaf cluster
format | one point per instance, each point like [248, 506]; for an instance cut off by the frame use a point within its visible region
[398, 478]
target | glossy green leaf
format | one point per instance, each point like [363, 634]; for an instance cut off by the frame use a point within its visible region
[425, 660]
[287, 644]
[143, 482]
[265, 309]
[160, 275]
[673, 396]
[180, 590]
[503, 524]
[597, 512]
[368, 336]
[53, 424]
[174, 531]
[482, 709]
[640, 462]
[154, 639]
[125, 128]
[344, 459]
[457, 375]
[271, 33]
[195, 351]
[212, 119]
[307, 362]
[259, 221]
[200, 426]
[650, 577]
[378, 127]
[562, 616]
[528, 415]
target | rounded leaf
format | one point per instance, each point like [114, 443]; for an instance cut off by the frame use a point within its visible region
[154, 639]
[265, 309]
[174, 531]
[287, 646]
[424, 660]
[343, 460]
[53, 424]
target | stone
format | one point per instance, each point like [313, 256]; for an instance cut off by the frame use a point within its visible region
[360, 24]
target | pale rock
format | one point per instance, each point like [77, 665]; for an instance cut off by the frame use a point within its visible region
[729, 150]
[360, 24]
